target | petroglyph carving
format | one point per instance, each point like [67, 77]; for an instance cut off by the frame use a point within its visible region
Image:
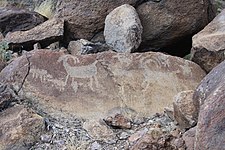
[147, 63]
[85, 71]
[44, 76]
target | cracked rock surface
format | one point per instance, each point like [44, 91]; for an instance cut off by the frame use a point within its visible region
[100, 83]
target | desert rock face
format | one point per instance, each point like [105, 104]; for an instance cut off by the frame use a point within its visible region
[165, 22]
[20, 127]
[85, 79]
[91, 85]
[49, 32]
[208, 45]
[209, 99]
[85, 18]
[14, 19]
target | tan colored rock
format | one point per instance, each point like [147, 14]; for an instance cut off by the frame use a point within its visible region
[20, 127]
[49, 32]
[118, 121]
[123, 29]
[208, 45]
[167, 22]
[185, 113]
[91, 85]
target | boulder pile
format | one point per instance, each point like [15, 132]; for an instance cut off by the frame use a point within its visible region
[102, 74]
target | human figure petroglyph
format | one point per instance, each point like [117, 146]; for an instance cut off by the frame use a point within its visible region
[85, 71]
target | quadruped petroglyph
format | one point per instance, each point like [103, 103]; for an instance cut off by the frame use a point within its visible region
[81, 72]
[44, 76]
[74, 72]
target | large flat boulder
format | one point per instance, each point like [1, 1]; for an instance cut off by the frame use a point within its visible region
[208, 45]
[167, 22]
[14, 19]
[92, 85]
[209, 99]
[45, 34]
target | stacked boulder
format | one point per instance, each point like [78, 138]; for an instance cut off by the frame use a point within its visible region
[74, 79]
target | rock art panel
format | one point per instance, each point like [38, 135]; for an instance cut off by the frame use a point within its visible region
[92, 85]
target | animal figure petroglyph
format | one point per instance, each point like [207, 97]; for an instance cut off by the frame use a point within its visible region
[146, 63]
[86, 71]
[44, 76]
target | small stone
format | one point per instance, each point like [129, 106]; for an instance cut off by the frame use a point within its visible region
[179, 142]
[169, 112]
[82, 47]
[37, 46]
[124, 135]
[46, 138]
[185, 112]
[134, 137]
[59, 126]
[95, 146]
[59, 142]
[119, 121]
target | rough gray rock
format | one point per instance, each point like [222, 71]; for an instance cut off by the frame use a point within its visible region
[123, 29]
[14, 19]
[208, 45]
[82, 47]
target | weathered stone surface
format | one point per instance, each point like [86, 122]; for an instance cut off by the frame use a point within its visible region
[118, 121]
[189, 138]
[8, 97]
[49, 32]
[41, 6]
[2, 65]
[1, 36]
[13, 19]
[123, 29]
[165, 22]
[98, 130]
[208, 45]
[92, 85]
[185, 112]
[86, 18]
[209, 98]
[152, 142]
[19, 128]
[82, 47]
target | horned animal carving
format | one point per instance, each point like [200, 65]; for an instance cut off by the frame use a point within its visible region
[85, 71]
